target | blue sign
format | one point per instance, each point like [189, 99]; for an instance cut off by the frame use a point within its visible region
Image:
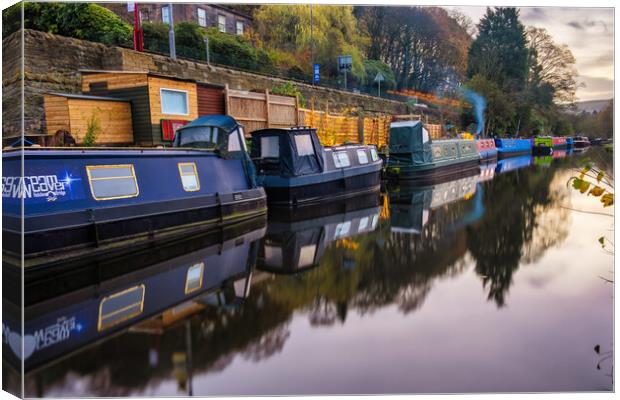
[317, 76]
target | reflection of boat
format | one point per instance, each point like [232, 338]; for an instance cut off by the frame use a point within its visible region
[294, 167]
[60, 320]
[296, 242]
[410, 206]
[559, 153]
[487, 171]
[415, 156]
[81, 201]
[543, 161]
[513, 163]
[509, 147]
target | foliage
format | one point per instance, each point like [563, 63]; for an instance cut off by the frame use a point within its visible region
[93, 130]
[288, 89]
[333, 32]
[424, 46]
[373, 67]
[155, 36]
[592, 124]
[232, 50]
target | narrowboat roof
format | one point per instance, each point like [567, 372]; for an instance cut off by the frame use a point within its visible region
[100, 151]
[291, 129]
[224, 122]
[87, 97]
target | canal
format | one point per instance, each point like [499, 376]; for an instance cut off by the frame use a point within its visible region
[495, 282]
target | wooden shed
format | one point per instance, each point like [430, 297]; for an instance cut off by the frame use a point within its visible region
[73, 113]
[158, 101]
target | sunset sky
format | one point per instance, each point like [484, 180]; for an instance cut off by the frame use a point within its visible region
[588, 32]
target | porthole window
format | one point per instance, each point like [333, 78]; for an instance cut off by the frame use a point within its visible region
[189, 177]
[109, 182]
[341, 159]
[120, 307]
[362, 157]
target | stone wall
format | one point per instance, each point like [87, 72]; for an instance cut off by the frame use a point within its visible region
[52, 63]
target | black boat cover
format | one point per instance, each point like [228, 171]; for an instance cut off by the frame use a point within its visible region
[292, 161]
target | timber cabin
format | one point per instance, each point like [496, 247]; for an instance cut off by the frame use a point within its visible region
[160, 104]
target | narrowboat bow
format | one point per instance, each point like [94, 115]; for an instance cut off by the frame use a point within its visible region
[82, 201]
[294, 168]
[486, 148]
[415, 156]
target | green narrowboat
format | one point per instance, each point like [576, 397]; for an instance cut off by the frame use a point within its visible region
[415, 156]
[543, 146]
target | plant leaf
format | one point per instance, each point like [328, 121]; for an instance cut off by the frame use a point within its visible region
[607, 199]
[596, 191]
[600, 176]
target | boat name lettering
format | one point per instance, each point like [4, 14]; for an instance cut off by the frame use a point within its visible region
[33, 186]
[52, 334]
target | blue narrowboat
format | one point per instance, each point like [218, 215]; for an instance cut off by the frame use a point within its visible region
[569, 142]
[415, 156]
[80, 201]
[296, 241]
[169, 288]
[295, 169]
[510, 147]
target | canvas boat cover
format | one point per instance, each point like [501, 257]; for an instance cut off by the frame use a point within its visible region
[299, 151]
[409, 141]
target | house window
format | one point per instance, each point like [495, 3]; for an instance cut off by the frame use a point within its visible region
[144, 16]
[120, 307]
[221, 23]
[341, 159]
[362, 157]
[189, 177]
[174, 102]
[108, 182]
[240, 28]
[165, 15]
[202, 17]
[193, 280]
[304, 145]
[270, 147]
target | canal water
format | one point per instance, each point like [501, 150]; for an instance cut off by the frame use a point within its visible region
[494, 282]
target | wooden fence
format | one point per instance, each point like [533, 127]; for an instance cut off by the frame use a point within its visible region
[258, 110]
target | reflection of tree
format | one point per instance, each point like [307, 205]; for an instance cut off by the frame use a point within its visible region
[515, 203]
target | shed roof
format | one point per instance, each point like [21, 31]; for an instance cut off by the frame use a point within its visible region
[86, 97]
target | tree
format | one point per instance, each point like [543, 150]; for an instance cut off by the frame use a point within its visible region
[499, 52]
[333, 32]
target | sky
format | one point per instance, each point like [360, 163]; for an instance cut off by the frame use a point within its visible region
[588, 32]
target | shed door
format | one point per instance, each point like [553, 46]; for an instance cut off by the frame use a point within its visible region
[210, 100]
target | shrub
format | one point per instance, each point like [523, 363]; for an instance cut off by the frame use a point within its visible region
[288, 89]
[93, 129]
[373, 67]
[232, 50]
[155, 36]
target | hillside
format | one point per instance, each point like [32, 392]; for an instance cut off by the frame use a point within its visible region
[591, 105]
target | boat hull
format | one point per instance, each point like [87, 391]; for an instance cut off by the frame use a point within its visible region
[432, 173]
[513, 147]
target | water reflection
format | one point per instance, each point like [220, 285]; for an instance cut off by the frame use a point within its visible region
[319, 271]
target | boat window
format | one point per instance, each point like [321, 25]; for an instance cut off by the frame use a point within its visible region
[373, 154]
[200, 136]
[306, 255]
[189, 177]
[363, 224]
[233, 141]
[362, 157]
[342, 229]
[269, 147]
[242, 136]
[375, 219]
[193, 280]
[424, 135]
[273, 256]
[108, 182]
[174, 101]
[304, 145]
[120, 307]
[341, 159]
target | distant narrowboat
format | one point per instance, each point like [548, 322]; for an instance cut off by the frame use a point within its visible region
[296, 241]
[511, 147]
[581, 142]
[294, 168]
[559, 142]
[486, 149]
[86, 201]
[415, 156]
[543, 146]
[569, 142]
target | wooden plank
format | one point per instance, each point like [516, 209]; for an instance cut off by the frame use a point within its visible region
[267, 107]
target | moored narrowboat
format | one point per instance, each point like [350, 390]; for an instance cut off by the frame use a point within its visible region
[543, 146]
[581, 142]
[569, 142]
[415, 156]
[559, 142]
[93, 200]
[511, 147]
[295, 169]
[486, 149]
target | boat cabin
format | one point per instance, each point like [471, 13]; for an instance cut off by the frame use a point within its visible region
[215, 132]
[287, 152]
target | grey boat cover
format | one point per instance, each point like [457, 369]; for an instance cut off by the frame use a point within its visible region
[289, 163]
[410, 142]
